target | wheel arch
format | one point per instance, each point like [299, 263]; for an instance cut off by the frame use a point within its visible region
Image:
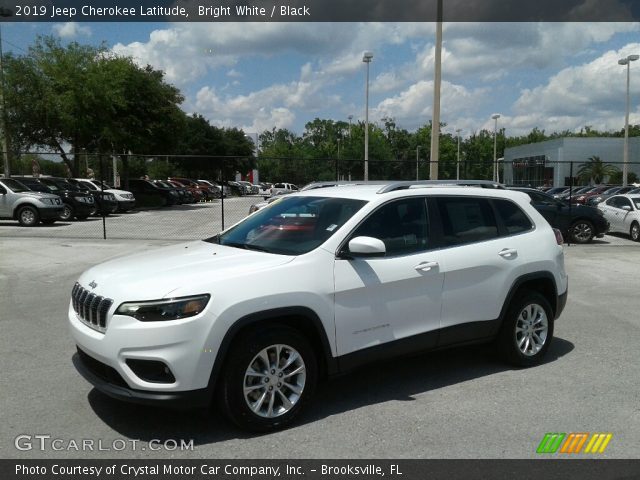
[541, 282]
[303, 319]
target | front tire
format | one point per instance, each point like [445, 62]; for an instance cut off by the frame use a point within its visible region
[28, 216]
[582, 231]
[67, 213]
[527, 329]
[269, 375]
[635, 232]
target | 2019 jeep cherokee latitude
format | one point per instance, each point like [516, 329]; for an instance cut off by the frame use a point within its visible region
[317, 284]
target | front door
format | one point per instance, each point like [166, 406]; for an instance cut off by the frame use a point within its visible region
[383, 299]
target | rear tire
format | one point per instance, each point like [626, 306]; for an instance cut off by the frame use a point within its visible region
[269, 375]
[28, 216]
[634, 232]
[581, 231]
[526, 330]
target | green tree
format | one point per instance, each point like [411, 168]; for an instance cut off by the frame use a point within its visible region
[595, 170]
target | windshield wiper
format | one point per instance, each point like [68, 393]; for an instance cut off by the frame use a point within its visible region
[247, 246]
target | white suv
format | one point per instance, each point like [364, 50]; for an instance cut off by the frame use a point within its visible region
[314, 285]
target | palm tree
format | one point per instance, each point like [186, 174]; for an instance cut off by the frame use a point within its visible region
[595, 170]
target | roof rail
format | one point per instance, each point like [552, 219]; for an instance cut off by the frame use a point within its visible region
[404, 185]
[339, 183]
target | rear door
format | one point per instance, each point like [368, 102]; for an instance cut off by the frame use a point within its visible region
[484, 246]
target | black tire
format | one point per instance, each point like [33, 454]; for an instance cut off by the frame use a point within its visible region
[581, 231]
[634, 232]
[244, 353]
[28, 216]
[67, 213]
[512, 339]
[48, 221]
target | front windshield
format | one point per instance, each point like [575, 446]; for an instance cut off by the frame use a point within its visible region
[15, 186]
[51, 184]
[291, 226]
[64, 185]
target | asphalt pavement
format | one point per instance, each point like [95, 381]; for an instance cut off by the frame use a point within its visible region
[461, 403]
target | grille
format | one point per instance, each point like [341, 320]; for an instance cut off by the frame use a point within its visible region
[92, 309]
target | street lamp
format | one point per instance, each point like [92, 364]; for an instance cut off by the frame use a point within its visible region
[417, 161]
[625, 165]
[458, 162]
[4, 12]
[350, 117]
[366, 59]
[495, 117]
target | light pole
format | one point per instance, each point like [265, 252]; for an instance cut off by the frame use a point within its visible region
[366, 59]
[495, 117]
[4, 12]
[437, 80]
[458, 162]
[350, 117]
[417, 161]
[625, 165]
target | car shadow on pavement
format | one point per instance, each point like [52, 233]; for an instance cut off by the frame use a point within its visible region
[39, 225]
[398, 379]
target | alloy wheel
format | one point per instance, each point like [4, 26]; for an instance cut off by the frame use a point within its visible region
[532, 328]
[274, 381]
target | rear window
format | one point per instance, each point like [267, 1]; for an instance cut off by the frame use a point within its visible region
[466, 220]
[513, 218]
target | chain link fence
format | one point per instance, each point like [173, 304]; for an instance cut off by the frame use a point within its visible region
[189, 197]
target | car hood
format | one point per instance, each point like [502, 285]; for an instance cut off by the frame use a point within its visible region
[177, 270]
[39, 194]
[118, 192]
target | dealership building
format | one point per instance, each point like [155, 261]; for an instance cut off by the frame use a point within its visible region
[549, 163]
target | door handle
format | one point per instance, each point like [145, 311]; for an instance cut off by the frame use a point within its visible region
[508, 252]
[426, 266]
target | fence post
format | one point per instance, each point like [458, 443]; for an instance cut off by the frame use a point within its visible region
[222, 194]
[104, 216]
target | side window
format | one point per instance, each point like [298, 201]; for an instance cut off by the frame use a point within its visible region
[540, 199]
[612, 202]
[466, 220]
[622, 201]
[402, 225]
[513, 218]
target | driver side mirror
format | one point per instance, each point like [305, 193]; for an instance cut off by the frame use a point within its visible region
[366, 247]
[626, 207]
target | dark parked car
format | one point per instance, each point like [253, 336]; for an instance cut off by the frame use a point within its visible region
[77, 203]
[579, 223]
[145, 189]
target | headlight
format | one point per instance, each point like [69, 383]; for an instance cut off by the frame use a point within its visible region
[48, 201]
[159, 310]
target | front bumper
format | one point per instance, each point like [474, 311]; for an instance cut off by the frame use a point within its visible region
[49, 213]
[108, 381]
[124, 205]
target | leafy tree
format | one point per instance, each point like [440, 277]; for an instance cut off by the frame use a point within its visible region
[595, 170]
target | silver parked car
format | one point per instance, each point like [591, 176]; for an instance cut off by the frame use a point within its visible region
[17, 202]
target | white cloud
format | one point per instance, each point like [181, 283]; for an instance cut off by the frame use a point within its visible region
[71, 30]
[589, 94]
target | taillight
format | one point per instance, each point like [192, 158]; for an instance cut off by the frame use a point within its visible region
[558, 235]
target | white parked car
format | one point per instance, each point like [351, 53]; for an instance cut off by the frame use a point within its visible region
[126, 200]
[283, 189]
[317, 284]
[623, 214]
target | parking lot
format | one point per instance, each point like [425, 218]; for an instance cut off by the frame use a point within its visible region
[462, 403]
[178, 222]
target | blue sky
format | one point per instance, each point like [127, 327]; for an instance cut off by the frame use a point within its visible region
[257, 76]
